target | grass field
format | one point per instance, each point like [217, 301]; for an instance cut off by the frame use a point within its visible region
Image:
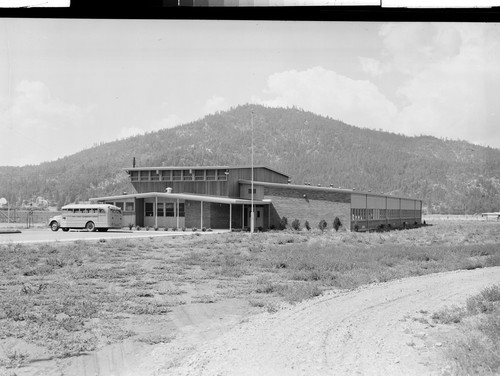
[60, 300]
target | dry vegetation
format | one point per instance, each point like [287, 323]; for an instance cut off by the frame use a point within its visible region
[476, 348]
[60, 300]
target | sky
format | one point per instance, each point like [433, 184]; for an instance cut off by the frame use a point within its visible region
[67, 85]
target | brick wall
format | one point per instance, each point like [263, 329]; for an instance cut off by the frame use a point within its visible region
[317, 205]
[219, 216]
[193, 216]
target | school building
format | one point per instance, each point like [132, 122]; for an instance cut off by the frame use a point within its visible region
[220, 197]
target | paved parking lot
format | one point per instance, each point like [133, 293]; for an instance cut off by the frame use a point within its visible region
[45, 235]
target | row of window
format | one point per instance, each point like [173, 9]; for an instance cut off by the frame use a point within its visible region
[85, 211]
[124, 206]
[164, 209]
[376, 214]
[179, 175]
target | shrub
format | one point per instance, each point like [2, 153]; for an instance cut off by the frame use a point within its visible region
[194, 229]
[130, 225]
[322, 225]
[336, 223]
[283, 223]
[166, 228]
[147, 228]
[307, 226]
[183, 229]
[296, 225]
[209, 229]
[156, 228]
[203, 229]
[138, 228]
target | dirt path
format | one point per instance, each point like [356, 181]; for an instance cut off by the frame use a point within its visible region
[380, 329]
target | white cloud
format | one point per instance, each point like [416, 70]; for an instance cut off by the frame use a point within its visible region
[38, 122]
[328, 93]
[371, 66]
[452, 94]
[214, 104]
[168, 121]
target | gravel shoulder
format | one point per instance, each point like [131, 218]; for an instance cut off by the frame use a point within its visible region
[380, 329]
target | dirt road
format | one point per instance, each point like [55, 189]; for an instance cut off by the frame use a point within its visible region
[383, 329]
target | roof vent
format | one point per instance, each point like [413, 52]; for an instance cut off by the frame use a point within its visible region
[168, 190]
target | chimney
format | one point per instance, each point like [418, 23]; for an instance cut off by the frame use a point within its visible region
[133, 162]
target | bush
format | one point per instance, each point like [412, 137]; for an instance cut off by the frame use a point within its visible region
[194, 229]
[307, 226]
[283, 223]
[336, 223]
[156, 228]
[296, 225]
[322, 225]
[166, 228]
[203, 229]
[130, 225]
[138, 228]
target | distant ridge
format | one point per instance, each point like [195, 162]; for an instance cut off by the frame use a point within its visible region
[450, 176]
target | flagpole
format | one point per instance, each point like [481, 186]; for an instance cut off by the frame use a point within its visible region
[252, 218]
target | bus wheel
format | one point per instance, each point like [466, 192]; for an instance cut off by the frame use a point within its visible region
[54, 226]
[65, 229]
[90, 226]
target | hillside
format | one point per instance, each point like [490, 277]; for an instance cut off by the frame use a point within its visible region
[450, 176]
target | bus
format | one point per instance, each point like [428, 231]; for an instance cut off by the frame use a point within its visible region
[91, 217]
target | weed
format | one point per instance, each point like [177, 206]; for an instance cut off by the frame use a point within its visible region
[154, 339]
[475, 351]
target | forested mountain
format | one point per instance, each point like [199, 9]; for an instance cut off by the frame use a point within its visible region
[450, 176]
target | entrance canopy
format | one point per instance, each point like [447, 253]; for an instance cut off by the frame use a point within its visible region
[184, 196]
[188, 197]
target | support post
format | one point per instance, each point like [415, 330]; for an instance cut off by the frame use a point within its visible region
[230, 216]
[201, 219]
[156, 211]
[176, 208]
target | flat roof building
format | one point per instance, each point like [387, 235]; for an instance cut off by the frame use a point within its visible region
[221, 197]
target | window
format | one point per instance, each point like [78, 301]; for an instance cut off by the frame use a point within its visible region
[210, 174]
[166, 175]
[119, 204]
[181, 209]
[250, 190]
[101, 211]
[221, 175]
[110, 203]
[187, 175]
[149, 209]
[144, 175]
[199, 175]
[169, 209]
[134, 175]
[176, 174]
[159, 209]
[129, 206]
[155, 176]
